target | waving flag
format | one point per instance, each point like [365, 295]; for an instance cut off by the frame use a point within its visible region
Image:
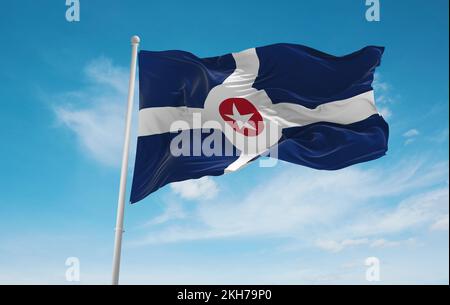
[207, 116]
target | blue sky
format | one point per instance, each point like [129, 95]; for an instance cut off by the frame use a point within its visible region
[63, 91]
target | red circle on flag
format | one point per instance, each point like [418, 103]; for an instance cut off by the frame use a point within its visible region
[242, 116]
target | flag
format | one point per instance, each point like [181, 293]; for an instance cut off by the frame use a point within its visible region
[207, 116]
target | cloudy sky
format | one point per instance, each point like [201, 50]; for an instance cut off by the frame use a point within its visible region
[63, 95]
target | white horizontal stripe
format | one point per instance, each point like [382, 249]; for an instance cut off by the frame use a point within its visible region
[344, 112]
[159, 119]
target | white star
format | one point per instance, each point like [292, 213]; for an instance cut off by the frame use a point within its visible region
[242, 120]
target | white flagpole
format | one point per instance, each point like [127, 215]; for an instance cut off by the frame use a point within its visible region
[123, 173]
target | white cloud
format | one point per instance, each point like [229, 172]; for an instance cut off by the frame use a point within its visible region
[383, 95]
[96, 112]
[382, 89]
[385, 112]
[411, 136]
[103, 72]
[415, 211]
[409, 141]
[331, 210]
[441, 224]
[204, 187]
[411, 133]
[383, 243]
[337, 246]
[174, 210]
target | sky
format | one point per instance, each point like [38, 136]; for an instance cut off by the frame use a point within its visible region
[63, 88]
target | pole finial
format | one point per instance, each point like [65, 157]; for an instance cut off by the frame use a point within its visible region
[135, 39]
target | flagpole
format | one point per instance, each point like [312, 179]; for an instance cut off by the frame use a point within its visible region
[135, 40]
